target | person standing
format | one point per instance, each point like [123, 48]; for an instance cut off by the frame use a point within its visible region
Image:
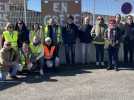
[10, 35]
[36, 31]
[85, 39]
[70, 33]
[113, 36]
[23, 35]
[98, 34]
[128, 40]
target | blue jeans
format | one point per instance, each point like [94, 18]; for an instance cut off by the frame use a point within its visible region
[113, 56]
[70, 53]
[99, 52]
[12, 71]
[39, 64]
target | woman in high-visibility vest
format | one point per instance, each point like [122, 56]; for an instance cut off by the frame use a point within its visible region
[50, 54]
[23, 35]
[53, 30]
[10, 35]
[25, 57]
[36, 31]
[98, 32]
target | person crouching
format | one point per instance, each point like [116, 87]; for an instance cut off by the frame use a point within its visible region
[50, 52]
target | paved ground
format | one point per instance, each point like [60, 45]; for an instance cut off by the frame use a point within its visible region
[72, 83]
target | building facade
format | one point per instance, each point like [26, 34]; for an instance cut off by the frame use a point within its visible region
[13, 10]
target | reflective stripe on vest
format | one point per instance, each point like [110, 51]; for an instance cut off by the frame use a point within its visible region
[32, 34]
[46, 31]
[58, 32]
[13, 37]
[48, 53]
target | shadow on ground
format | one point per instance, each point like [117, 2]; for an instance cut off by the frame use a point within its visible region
[64, 70]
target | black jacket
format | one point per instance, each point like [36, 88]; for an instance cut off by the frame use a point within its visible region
[85, 33]
[70, 33]
[128, 37]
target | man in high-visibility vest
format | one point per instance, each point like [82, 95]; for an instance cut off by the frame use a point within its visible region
[50, 54]
[8, 61]
[37, 54]
[10, 36]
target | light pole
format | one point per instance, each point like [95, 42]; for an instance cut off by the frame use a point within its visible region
[25, 11]
[94, 4]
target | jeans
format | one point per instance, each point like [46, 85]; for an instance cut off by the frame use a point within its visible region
[99, 53]
[39, 64]
[85, 50]
[113, 55]
[12, 71]
[70, 53]
[45, 68]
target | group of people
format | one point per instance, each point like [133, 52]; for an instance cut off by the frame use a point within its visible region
[38, 49]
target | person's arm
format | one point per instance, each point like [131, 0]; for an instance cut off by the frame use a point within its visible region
[93, 34]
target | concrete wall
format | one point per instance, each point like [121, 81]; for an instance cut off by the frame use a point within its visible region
[91, 53]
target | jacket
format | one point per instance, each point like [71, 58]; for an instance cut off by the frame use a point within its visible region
[70, 33]
[85, 33]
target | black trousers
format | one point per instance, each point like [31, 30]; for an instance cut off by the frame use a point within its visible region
[128, 53]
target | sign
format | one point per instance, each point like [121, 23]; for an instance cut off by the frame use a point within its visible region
[60, 9]
[126, 8]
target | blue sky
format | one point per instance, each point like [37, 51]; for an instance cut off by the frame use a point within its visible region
[110, 7]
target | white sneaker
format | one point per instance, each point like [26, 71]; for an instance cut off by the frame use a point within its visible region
[97, 63]
[102, 64]
[41, 72]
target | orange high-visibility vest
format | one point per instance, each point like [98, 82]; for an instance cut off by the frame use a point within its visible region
[48, 53]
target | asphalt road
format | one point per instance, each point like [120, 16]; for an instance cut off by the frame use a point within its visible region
[72, 83]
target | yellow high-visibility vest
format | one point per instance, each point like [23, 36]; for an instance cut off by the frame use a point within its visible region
[36, 50]
[32, 34]
[11, 37]
[58, 33]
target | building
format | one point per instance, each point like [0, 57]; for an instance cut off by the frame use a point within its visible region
[13, 10]
[60, 9]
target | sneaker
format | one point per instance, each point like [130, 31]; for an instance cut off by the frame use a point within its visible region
[41, 72]
[102, 64]
[97, 63]
[109, 68]
[116, 69]
[14, 77]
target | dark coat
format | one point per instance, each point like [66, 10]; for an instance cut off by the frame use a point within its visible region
[128, 37]
[85, 33]
[69, 33]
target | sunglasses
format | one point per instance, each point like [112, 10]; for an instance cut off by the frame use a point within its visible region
[19, 23]
[10, 26]
[99, 19]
